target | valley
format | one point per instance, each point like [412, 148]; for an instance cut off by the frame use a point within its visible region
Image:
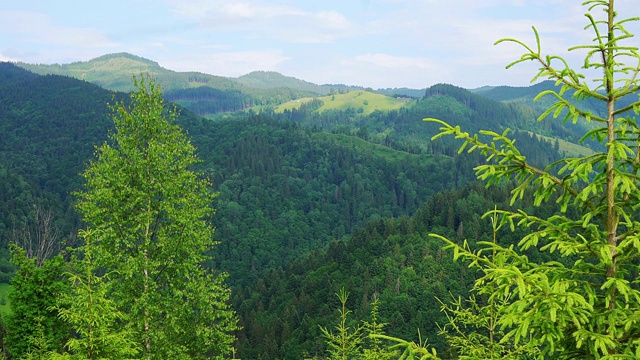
[320, 187]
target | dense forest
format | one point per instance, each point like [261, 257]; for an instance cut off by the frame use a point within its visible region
[307, 202]
[196, 217]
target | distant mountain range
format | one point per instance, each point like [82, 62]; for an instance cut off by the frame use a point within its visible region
[207, 94]
[114, 72]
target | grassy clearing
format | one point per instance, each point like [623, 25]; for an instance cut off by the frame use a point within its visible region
[568, 148]
[4, 294]
[362, 101]
[380, 151]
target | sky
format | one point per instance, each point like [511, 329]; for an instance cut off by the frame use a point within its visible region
[371, 43]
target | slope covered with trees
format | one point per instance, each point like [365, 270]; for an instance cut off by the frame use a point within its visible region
[392, 259]
[202, 93]
[583, 301]
[289, 184]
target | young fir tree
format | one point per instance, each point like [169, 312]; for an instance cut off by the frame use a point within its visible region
[151, 211]
[33, 326]
[374, 328]
[346, 342]
[587, 305]
[472, 328]
[92, 315]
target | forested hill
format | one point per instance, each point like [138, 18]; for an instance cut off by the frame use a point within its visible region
[394, 259]
[204, 94]
[275, 176]
[272, 79]
[289, 185]
[114, 72]
[297, 187]
[509, 93]
[49, 127]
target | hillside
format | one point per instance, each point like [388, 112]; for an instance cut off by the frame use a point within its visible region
[290, 184]
[284, 190]
[114, 72]
[394, 259]
[201, 93]
[272, 79]
[363, 102]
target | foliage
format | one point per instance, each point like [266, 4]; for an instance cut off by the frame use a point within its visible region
[50, 125]
[410, 350]
[33, 325]
[356, 341]
[92, 315]
[587, 305]
[393, 257]
[150, 213]
[286, 188]
[472, 328]
[373, 328]
[346, 342]
[300, 189]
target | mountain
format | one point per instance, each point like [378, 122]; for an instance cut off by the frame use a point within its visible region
[511, 93]
[115, 71]
[201, 93]
[401, 92]
[362, 101]
[309, 200]
[272, 79]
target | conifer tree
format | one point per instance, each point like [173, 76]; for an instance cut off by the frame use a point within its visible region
[33, 326]
[152, 213]
[346, 342]
[586, 302]
[92, 315]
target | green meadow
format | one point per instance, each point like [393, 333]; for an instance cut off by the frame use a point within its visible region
[362, 101]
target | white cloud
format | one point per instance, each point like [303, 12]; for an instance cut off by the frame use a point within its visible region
[261, 19]
[331, 20]
[38, 28]
[224, 10]
[238, 10]
[391, 61]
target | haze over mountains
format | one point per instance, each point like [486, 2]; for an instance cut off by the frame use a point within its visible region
[207, 94]
[101, 71]
[114, 72]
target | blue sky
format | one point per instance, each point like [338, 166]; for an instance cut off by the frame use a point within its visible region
[375, 43]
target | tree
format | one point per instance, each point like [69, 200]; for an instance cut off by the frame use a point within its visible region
[586, 302]
[487, 340]
[346, 342]
[40, 239]
[33, 325]
[92, 315]
[376, 351]
[152, 213]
